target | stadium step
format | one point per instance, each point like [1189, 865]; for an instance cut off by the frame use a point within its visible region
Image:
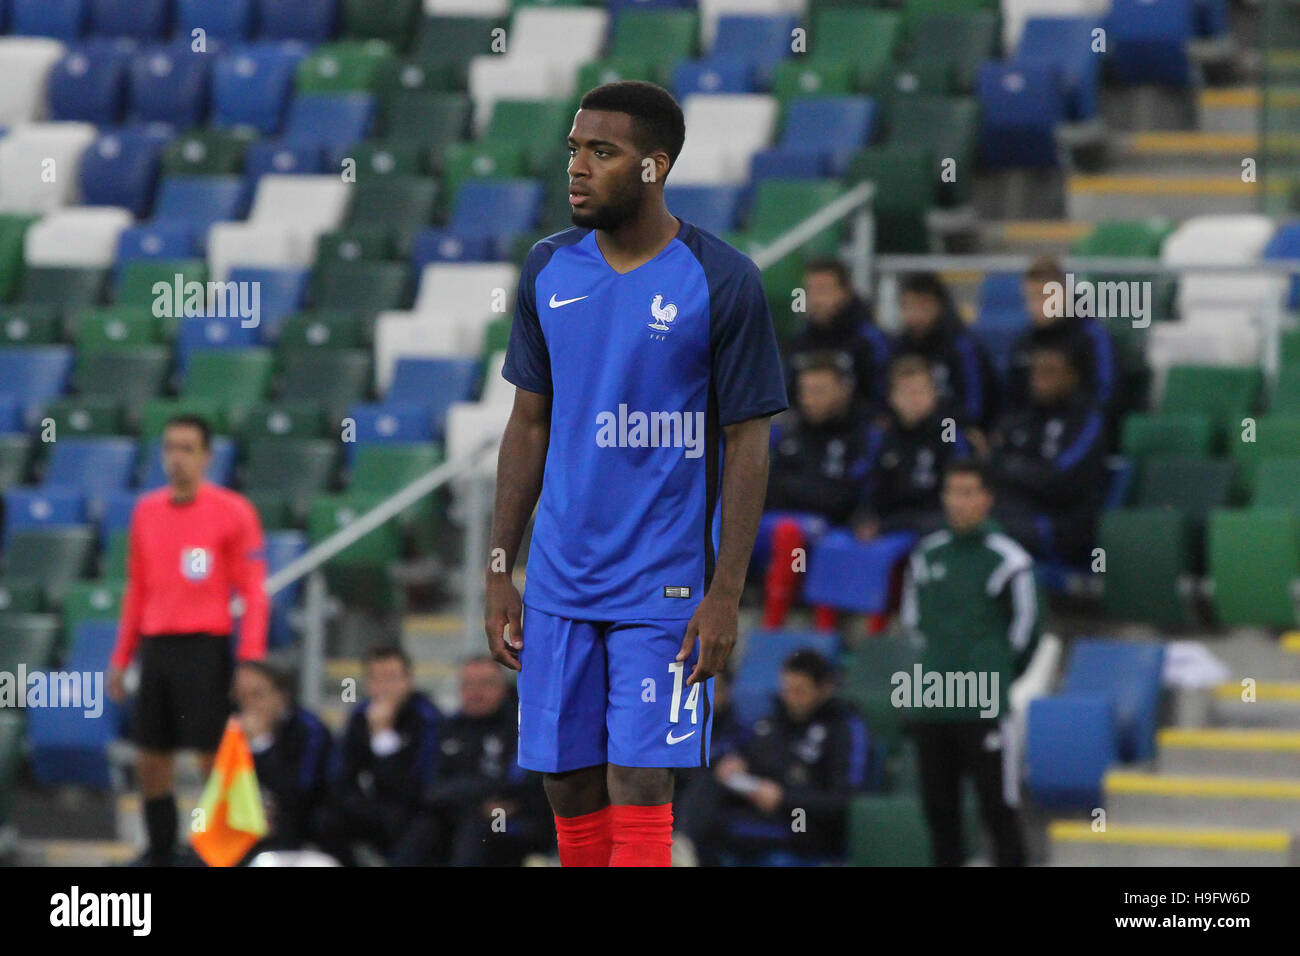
[1077, 844]
[1230, 751]
[1232, 109]
[1274, 704]
[1032, 236]
[1153, 194]
[1137, 797]
[130, 819]
[1183, 152]
[76, 852]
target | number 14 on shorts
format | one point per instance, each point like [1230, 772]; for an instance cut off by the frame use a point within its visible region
[677, 669]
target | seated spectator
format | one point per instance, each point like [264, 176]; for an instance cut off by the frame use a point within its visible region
[1084, 337]
[839, 321]
[1048, 462]
[291, 753]
[490, 811]
[933, 330]
[809, 758]
[385, 765]
[909, 454]
[818, 465]
[694, 799]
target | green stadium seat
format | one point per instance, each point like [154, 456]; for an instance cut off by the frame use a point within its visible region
[86, 415]
[113, 327]
[64, 287]
[864, 40]
[906, 187]
[291, 419]
[272, 508]
[1290, 347]
[947, 126]
[432, 119]
[157, 411]
[366, 287]
[322, 329]
[671, 35]
[962, 39]
[812, 77]
[1286, 392]
[334, 378]
[29, 325]
[1254, 560]
[20, 595]
[331, 513]
[897, 86]
[1277, 483]
[90, 601]
[384, 469]
[298, 468]
[131, 374]
[1189, 486]
[388, 158]
[429, 74]
[13, 232]
[28, 640]
[395, 21]
[1226, 394]
[916, 10]
[206, 152]
[1186, 434]
[53, 556]
[888, 830]
[1128, 238]
[1149, 555]
[235, 378]
[458, 38]
[536, 126]
[346, 67]
[400, 205]
[11, 756]
[141, 275]
[356, 243]
[480, 160]
[496, 337]
[780, 204]
[113, 565]
[1276, 436]
[868, 686]
[15, 456]
[615, 69]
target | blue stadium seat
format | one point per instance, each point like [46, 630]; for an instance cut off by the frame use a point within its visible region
[283, 547]
[251, 86]
[63, 19]
[440, 245]
[116, 514]
[1001, 290]
[1148, 41]
[389, 422]
[1066, 43]
[711, 76]
[1285, 244]
[138, 19]
[330, 120]
[997, 330]
[1070, 744]
[11, 414]
[121, 169]
[4, 15]
[281, 293]
[846, 573]
[434, 383]
[35, 374]
[91, 646]
[759, 42]
[834, 127]
[196, 202]
[499, 209]
[212, 332]
[219, 19]
[169, 84]
[93, 466]
[221, 468]
[786, 164]
[275, 157]
[1210, 17]
[311, 20]
[172, 240]
[88, 85]
[712, 208]
[33, 509]
[1020, 105]
[69, 743]
[1129, 673]
[758, 677]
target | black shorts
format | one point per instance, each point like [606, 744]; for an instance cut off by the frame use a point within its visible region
[184, 696]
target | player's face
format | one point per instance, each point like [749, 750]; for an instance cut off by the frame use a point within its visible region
[920, 312]
[800, 695]
[825, 295]
[823, 395]
[482, 689]
[606, 187]
[1036, 301]
[913, 398]
[1050, 377]
[966, 502]
[255, 694]
[184, 458]
[388, 680]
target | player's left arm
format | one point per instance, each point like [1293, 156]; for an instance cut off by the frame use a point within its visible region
[248, 561]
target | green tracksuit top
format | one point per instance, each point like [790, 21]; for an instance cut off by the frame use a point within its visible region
[973, 599]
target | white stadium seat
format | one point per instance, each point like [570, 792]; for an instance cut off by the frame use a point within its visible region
[289, 213]
[472, 292]
[724, 131]
[466, 8]
[493, 78]
[1173, 343]
[413, 335]
[496, 390]
[259, 245]
[469, 424]
[25, 64]
[317, 203]
[1016, 12]
[40, 165]
[1222, 240]
[77, 236]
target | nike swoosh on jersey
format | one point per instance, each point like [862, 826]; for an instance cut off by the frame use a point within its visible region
[676, 740]
[556, 305]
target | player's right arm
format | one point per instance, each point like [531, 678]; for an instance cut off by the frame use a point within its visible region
[128, 632]
[520, 464]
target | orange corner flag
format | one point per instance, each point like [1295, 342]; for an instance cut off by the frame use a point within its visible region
[232, 818]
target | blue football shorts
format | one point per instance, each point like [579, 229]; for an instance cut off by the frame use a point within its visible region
[595, 692]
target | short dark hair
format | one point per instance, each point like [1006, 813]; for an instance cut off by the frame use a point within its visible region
[190, 420]
[278, 677]
[1045, 268]
[824, 360]
[909, 366]
[387, 652]
[968, 466]
[810, 663]
[657, 119]
[828, 264]
[925, 283]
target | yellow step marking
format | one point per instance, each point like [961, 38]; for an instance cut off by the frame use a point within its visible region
[1229, 739]
[1291, 642]
[1161, 185]
[1180, 141]
[1174, 785]
[1201, 838]
[1230, 97]
[1271, 691]
[1045, 230]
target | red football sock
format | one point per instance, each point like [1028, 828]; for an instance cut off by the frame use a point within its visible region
[585, 840]
[643, 836]
[824, 617]
[780, 586]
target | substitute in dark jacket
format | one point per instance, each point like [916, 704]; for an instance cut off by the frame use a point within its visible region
[1048, 462]
[1084, 337]
[933, 330]
[386, 764]
[841, 322]
[490, 812]
[788, 787]
[291, 753]
[969, 592]
[909, 451]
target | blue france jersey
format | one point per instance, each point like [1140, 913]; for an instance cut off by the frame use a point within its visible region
[644, 368]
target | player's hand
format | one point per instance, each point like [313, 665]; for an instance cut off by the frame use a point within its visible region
[116, 684]
[768, 796]
[715, 622]
[728, 767]
[503, 609]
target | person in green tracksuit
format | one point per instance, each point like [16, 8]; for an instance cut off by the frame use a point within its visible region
[969, 591]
